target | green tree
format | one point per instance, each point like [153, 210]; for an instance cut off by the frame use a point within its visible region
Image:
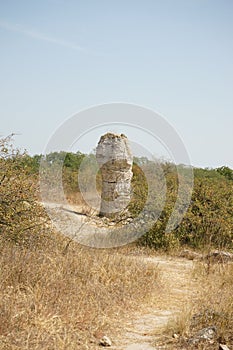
[225, 171]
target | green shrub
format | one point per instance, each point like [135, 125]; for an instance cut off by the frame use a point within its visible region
[208, 220]
[22, 219]
[139, 191]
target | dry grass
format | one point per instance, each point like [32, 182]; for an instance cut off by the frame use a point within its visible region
[55, 300]
[81, 204]
[215, 303]
[213, 306]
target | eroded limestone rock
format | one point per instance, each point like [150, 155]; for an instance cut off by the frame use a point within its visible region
[115, 161]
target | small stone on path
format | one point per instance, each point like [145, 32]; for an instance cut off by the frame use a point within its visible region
[223, 347]
[105, 341]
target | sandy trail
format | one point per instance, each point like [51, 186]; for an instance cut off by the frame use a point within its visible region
[178, 288]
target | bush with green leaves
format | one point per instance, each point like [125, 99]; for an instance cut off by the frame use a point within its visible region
[208, 221]
[225, 171]
[22, 218]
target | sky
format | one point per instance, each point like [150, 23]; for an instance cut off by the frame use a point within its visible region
[59, 57]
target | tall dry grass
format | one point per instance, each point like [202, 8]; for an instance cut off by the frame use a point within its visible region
[215, 301]
[212, 307]
[51, 298]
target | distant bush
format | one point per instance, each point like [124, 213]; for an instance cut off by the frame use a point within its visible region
[208, 220]
[156, 237]
[139, 191]
[225, 171]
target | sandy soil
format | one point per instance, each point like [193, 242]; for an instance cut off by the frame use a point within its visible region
[144, 330]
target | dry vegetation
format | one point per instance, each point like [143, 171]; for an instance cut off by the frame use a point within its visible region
[56, 299]
[55, 294]
[212, 307]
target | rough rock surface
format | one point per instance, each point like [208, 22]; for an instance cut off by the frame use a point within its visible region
[208, 334]
[223, 347]
[105, 341]
[115, 161]
[219, 256]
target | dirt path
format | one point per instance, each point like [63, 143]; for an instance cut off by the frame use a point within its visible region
[178, 288]
[176, 291]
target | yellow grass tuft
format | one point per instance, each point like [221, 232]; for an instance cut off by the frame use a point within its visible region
[212, 307]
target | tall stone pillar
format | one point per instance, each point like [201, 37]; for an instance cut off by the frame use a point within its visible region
[115, 161]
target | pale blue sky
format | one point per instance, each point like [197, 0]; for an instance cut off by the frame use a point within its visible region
[173, 56]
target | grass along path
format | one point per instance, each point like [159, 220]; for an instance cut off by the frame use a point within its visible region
[144, 330]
